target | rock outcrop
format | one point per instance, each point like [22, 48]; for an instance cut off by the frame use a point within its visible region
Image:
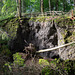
[66, 33]
[43, 33]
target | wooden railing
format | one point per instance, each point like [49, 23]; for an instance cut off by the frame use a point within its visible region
[31, 14]
[54, 13]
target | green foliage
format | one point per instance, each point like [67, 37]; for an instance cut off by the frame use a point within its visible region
[40, 19]
[11, 26]
[7, 69]
[48, 71]
[8, 6]
[5, 51]
[8, 65]
[4, 36]
[59, 67]
[18, 61]
[8, 9]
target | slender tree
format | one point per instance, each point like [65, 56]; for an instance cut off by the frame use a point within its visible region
[42, 8]
[0, 6]
[49, 5]
[22, 6]
[19, 8]
[74, 4]
[63, 5]
[57, 5]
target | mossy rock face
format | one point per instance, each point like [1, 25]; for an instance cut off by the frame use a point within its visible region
[66, 34]
[65, 23]
[14, 25]
[11, 27]
[69, 51]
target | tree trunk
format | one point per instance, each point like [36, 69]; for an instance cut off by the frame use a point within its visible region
[0, 7]
[49, 5]
[63, 5]
[42, 9]
[22, 7]
[74, 5]
[56, 5]
[19, 8]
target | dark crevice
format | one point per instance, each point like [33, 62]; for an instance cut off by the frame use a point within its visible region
[67, 35]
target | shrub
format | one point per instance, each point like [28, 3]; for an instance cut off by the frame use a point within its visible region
[49, 71]
[5, 51]
[60, 67]
[18, 61]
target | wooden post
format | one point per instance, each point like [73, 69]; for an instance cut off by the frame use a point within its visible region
[72, 12]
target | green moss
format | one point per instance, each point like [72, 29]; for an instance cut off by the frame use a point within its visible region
[71, 37]
[40, 19]
[43, 62]
[32, 19]
[11, 27]
[64, 21]
[63, 35]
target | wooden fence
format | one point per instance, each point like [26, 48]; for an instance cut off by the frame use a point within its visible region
[54, 13]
